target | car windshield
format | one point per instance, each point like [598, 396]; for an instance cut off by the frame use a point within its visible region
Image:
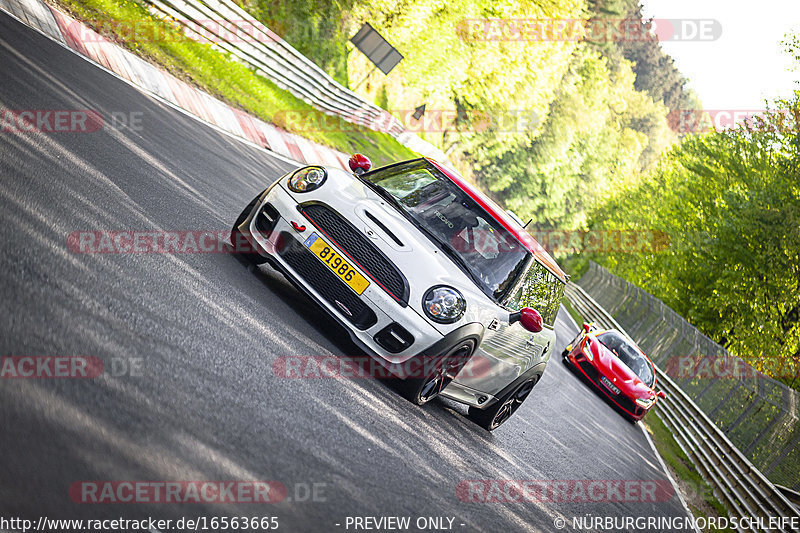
[490, 254]
[628, 354]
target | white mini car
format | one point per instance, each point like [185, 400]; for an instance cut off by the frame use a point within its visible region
[428, 275]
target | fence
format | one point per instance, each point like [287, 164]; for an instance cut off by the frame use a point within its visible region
[255, 45]
[758, 414]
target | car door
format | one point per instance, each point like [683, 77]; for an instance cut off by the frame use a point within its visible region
[508, 351]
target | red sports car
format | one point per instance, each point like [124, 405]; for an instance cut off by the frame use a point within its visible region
[617, 367]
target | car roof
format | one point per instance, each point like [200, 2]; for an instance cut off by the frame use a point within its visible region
[497, 212]
[633, 344]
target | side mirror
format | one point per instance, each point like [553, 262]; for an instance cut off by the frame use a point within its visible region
[661, 394]
[586, 327]
[359, 163]
[529, 318]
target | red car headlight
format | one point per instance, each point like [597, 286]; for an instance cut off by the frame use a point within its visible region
[646, 403]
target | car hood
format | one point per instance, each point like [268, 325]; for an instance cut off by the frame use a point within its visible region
[618, 372]
[423, 264]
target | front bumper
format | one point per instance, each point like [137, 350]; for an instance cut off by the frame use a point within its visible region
[271, 231]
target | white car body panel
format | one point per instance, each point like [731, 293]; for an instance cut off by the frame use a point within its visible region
[505, 352]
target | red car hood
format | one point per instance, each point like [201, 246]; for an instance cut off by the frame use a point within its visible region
[618, 372]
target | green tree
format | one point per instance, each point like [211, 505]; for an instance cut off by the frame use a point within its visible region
[316, 28]
[592, 142]
[730, 203]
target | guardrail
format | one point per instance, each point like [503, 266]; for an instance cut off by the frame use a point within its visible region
[741, 487]
[236, 32]
[791, 495]
[233, 30]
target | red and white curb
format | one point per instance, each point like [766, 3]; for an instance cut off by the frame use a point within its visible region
[152, 80]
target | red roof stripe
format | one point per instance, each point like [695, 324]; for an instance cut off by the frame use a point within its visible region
[503, 218]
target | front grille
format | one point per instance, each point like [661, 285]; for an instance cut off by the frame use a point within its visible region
[359, 249]
[266, 219]
[626, 403]
[394, 338]
[621, 400]
[325, 282]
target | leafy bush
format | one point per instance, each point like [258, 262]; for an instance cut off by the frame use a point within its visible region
[730, 203]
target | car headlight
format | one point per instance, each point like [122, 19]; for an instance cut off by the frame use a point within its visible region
[444, 304]
[646, 403]
[307, 179]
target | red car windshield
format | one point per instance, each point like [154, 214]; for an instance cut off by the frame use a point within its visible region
[628, 354]
[477, 242]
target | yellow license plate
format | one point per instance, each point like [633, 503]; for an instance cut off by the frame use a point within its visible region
[336, 263]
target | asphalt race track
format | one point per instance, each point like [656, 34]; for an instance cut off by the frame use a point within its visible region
[202, 332]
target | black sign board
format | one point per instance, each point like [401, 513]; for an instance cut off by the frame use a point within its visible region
[376, 48]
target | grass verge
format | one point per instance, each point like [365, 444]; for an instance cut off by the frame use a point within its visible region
[698, 494]
[576, 316]
[130, 24]
[574, 265]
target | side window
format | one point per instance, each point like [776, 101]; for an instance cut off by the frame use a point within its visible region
[541, 290]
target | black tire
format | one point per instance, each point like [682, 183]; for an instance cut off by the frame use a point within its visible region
[236, 236]
[436, 372]
[495, 416]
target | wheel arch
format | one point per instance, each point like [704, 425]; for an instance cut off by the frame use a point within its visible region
[536, 370]
[473, 330]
